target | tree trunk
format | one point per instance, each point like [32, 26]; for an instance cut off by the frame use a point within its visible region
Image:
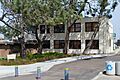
[65, 51]
[39, 51]
[69, 25]
[92, 37]
[23, 48]
[40, 39]
[40, 47]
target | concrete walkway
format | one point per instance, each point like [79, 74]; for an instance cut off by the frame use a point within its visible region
[102, 76]
[79, 70]
[6, 71]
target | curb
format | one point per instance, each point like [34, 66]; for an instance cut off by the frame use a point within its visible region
[96, 77]
[45, 66]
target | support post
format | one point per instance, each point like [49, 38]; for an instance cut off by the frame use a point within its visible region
[38, 77]
[16, 71]
[66, 74]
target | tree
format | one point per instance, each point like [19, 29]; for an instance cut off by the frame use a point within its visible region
[50, 13]
[100, 9]
[35, 13]
[44, 12]
[8, 32]
[12, 12]
[78, 8]
[96, 8]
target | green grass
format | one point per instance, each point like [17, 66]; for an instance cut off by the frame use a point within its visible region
[33, 58]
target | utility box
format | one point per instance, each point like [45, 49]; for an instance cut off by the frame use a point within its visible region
[117, 64]
[110, 68]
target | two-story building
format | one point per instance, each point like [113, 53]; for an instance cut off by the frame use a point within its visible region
[80, 35]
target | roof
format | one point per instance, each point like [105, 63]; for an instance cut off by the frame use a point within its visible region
[5, 42]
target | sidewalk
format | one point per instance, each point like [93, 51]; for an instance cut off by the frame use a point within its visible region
[102, 76]
[6, 71]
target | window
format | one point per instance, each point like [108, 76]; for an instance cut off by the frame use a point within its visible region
[42, 29]
[95, 44]
[59, 28]
[75, 44]
[46, 44]
[48, 29]
[59, 44]
[76, 27]
[91, 26]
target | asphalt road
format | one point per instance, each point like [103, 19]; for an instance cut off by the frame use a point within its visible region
[79, 70]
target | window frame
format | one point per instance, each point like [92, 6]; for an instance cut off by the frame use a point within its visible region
[46, 42]
[75, 44]
[90, 26]
[75, 27]
[94, 42]
[59, 43]
[60, 28]
[44, 29]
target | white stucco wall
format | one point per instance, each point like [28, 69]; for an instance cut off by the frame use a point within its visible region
[104, 36]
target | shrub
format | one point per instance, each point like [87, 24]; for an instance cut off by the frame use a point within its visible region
[15, 62]
[32, 58]
[29, 54]
[2, 58]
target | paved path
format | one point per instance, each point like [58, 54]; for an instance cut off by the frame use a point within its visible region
[102, 76]
[79, 70]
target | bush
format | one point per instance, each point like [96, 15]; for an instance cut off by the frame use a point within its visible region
[16, 62]
[29, 55]
[32, 58]
[48, 55]
[2, 58]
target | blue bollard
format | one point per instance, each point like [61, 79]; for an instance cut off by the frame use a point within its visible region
[38, 73]
[16, 71]
[66, 74]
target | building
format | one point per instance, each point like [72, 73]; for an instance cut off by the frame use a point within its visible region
[4, 47]
[80, 35]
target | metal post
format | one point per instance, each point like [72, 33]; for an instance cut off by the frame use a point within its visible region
[16, 71]
[38, 73]
[66, 74]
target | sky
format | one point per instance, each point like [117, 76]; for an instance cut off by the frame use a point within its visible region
[115, 21]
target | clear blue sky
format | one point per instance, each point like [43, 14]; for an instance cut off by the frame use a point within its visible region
[115, 21]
